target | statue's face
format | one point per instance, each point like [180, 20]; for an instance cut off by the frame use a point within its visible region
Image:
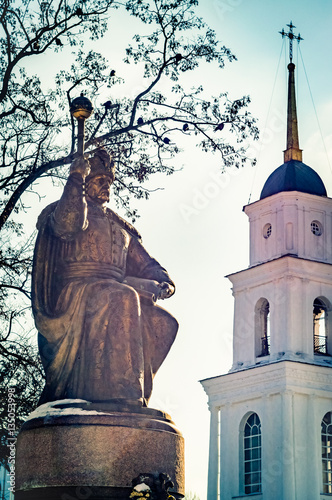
[98, 189]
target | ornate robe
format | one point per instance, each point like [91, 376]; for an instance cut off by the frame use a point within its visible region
[98, 339]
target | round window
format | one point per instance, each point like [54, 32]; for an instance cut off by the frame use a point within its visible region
[267, 230]
[316, 228]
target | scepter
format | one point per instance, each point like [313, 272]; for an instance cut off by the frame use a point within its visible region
[81, 108]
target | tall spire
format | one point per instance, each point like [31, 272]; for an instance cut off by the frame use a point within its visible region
[293, 152]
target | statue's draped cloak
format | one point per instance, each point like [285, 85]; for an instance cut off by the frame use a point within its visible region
[98, 340]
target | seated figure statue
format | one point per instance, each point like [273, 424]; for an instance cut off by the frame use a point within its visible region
[101, 336]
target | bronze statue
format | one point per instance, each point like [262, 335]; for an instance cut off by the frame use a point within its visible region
[102, 338]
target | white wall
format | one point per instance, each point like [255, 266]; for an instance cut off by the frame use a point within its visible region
[290, 285]
[290, 399]
[290, 215]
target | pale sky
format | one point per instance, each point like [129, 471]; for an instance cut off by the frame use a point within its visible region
[195, 227]
[213, 241]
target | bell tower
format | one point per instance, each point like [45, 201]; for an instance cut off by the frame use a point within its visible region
[271, 415]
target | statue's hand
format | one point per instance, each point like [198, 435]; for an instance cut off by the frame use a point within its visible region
[81, 166]
[166, 290]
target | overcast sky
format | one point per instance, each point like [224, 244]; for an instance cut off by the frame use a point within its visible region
[195, 227]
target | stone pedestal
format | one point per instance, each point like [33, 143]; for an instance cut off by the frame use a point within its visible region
[79, 450]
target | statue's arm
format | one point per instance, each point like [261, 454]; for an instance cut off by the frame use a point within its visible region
[70, 214]
[142, 265]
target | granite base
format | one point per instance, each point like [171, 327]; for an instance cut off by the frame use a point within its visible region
[79, 450]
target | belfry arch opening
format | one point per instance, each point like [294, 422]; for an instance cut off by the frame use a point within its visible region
[320, 326]
[262, 327]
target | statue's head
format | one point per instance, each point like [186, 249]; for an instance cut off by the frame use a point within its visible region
[101, 177]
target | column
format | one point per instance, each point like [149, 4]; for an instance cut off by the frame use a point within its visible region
[313, 449]
[213, 455]
[288, 455]
[229, 453]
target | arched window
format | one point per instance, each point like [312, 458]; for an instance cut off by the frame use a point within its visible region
[252, 448]
[327, 452]
[262, 327]
[320, 327]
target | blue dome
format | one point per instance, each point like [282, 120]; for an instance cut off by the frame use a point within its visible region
[293, 176]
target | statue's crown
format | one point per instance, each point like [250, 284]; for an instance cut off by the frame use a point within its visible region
[101, 163]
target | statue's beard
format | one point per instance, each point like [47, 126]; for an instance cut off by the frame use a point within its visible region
[104, 195]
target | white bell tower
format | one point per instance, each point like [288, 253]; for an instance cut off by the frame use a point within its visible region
[271, 415]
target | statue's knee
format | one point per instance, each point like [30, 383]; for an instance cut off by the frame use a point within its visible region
[174, 326]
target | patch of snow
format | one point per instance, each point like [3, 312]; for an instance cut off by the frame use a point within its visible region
[142, 487]
[54, 408]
